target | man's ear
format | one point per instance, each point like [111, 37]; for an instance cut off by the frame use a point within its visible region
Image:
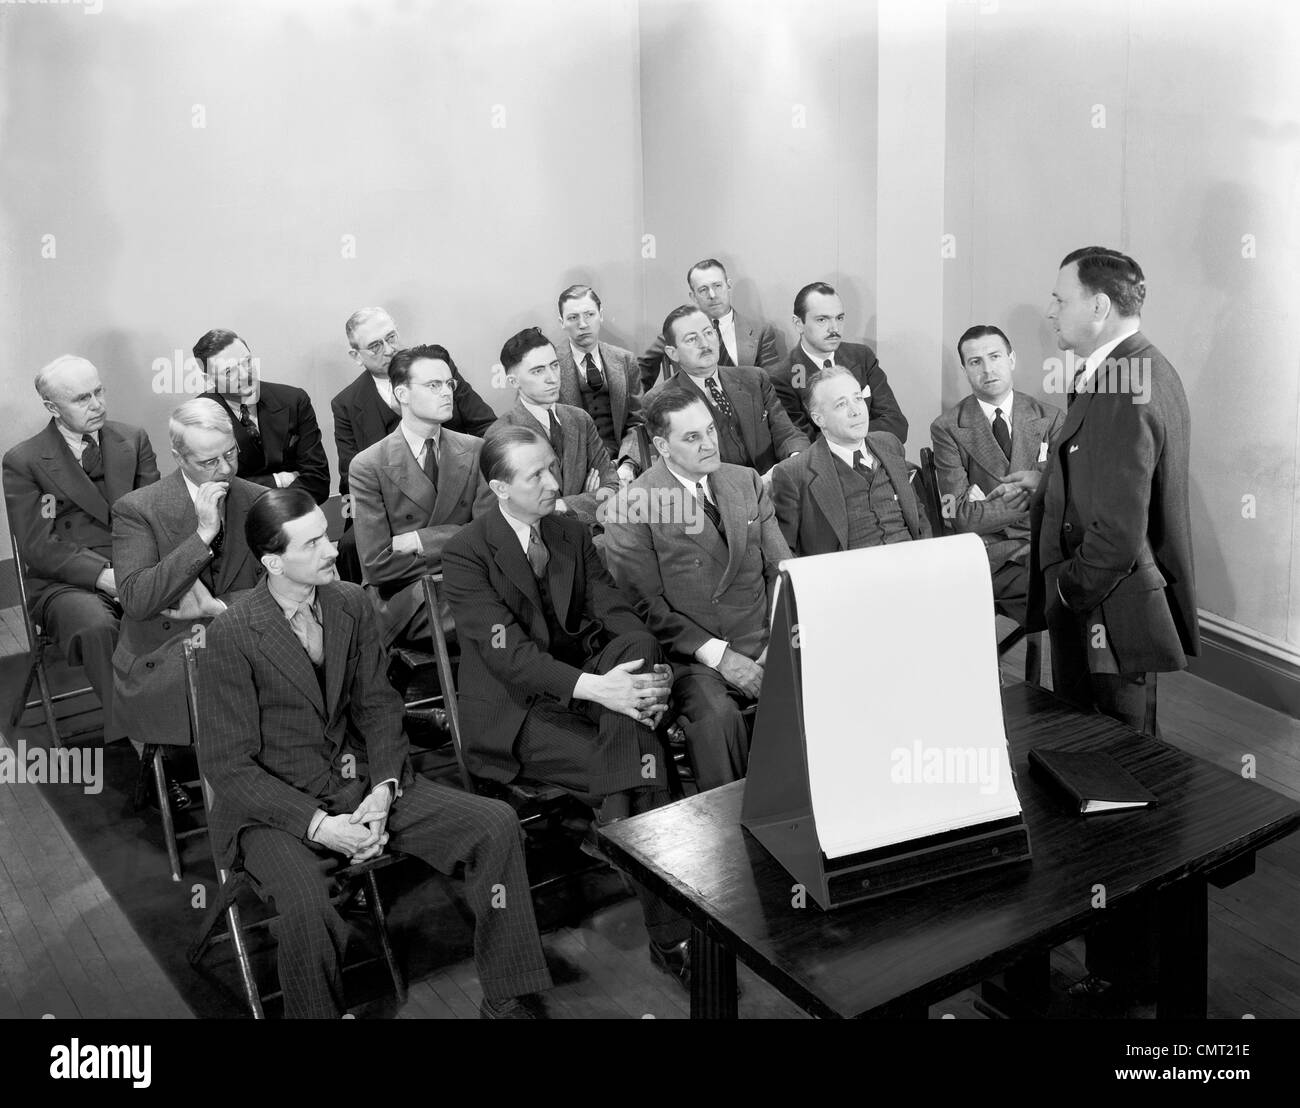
[798, 323]
[661, 445]
[1011, 357]
[512, 380]
[1100, 306]
[272, 563]
[354, 354]
[499, 487]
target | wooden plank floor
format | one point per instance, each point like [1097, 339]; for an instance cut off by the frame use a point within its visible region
[66, 949]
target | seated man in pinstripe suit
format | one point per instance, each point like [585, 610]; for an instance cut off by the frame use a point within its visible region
[306, 758]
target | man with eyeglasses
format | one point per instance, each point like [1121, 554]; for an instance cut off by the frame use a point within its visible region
[753, 429]
[412, 491]
[275, 425]
[60, 486]
[180, 557]
[850, 489]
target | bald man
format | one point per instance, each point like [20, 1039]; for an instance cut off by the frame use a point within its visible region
[60, 486]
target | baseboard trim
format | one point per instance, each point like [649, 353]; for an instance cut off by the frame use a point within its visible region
[1252, 665]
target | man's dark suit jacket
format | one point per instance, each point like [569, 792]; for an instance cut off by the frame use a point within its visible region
[1111, 516]
[157, 556]
[66, 542]
[809, 499]
[967, 457]
[766, 430]
[274, 748]
[689, 585]
[583, 452]
[625, 392]
[291, 440]
[861, 362]
[755, 345]
[506, 666]
[361, 418]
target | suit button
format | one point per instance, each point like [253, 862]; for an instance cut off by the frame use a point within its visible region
[409, 516]
[148, 665]
[712, 601]
[166, 626]
[1067, 527]
[697, 561]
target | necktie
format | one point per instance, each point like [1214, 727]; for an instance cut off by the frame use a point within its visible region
[710, 508]
[827, 364]
[431, 462]
[594, 380]
[1002, 432]
[724, 355]
[538, 555]
[860, 464]
[1074, 385]
[92, 461]
[246, 421]
[308, 629]
[557, 435]
[719, 399]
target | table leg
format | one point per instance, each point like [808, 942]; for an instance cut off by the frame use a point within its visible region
[1184, 937]
[713, 979]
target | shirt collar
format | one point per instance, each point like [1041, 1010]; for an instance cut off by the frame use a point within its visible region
[289, 607]
[415, 442]
[816, 359]
[579, 356]
[522, 530]
[702, 383]
[845, 453]
[1101, 354]
[688, 484]
[74, 440]
[988, 409]
[542, 415]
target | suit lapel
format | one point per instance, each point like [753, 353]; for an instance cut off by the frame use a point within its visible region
[561, 567]
[697, 528]
[338, 626]
[252, 458]
[120, 462]
[1027, 430]
[616, 380]
[897, 475]
[372, 410]
[976, 434]
[570, 392]
[730, 494]
[509, 557]
[235, 550]
[176, 514]
[399, 464]
[453, 473]
[62, 469]
[281, 647]
[273, 424]
[573, 469]
[748, 417]
[827, 491]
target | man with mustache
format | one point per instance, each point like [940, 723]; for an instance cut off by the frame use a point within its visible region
[994, 432]
[819, 319]
[304, 750]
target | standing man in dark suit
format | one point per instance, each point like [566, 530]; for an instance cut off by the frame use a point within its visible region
[599, 378]
[849, 490]
[586, 475]
[994, 432]
[559, 680]
[59, 488]
[741, 341]
[696, 543]
[1111, 571]
[753, 429]
[412, 491]
[306, 757]
[180, 558]
[275, 425]
[819, 319]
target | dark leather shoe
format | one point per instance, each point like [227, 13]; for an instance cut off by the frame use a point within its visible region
[674, 961]
[425, 724]
[1093, 987]
[179, 797]
[512, 1008]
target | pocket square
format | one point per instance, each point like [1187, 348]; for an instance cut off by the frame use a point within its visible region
[1042, 451]
[976, 494]
[1073, 447]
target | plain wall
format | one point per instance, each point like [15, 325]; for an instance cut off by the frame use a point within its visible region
[366, 119]
[1200, 146]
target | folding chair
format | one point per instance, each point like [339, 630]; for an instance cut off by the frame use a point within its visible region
[345, 877]
[940, 525]
[41, 647]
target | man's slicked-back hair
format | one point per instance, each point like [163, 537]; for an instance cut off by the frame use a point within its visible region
[707, 263]
[576, 292]
[520, 345]
[821, 377]
[801, 297]
[659, 412]
[214, 342]
[357, 318]
[1117, 275]
[399, 368]
[672, 317]
[494, 460]
[981, 331]
[264, 524]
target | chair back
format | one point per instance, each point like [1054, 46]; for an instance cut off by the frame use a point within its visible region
[34, 633]
[192, 698]
[446, 676]
[928, 479]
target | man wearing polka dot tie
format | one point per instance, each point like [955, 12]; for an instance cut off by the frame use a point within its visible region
[994, 432]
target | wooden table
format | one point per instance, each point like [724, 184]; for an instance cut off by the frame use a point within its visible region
[895, 956]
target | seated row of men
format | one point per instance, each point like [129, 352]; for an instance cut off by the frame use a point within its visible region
[581, 617]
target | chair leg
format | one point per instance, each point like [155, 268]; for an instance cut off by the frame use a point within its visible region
[245, 966]
[1033, 659]
[224, 898]
[47, 705]
[165, 810]
[20, 705]
[385, 944]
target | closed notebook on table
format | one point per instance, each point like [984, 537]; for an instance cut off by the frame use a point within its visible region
[1091, 782]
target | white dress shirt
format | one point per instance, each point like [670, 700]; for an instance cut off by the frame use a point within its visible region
[539, 413]
[710, 654]
[989, 410]
[1098, 356]
[818, 360]
[845, 453]
[522, 530]
[74, 440]
[417, 443]
[385, 387]
[580, 358]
